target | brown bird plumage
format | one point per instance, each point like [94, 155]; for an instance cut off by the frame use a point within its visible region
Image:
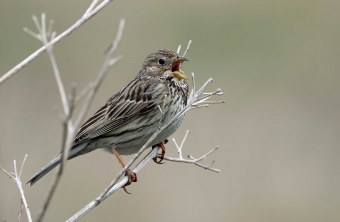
[131, 116]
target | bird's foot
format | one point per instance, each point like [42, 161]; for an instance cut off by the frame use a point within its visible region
[160, 156]
[132, 177]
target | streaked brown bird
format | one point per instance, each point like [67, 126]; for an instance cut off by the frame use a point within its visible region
[131, 116]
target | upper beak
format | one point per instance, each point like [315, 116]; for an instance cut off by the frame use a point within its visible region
[181, 59]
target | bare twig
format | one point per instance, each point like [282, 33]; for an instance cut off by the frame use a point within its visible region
[118, 185]
[70, 126]
[21, 210]
[191, 159]
[45, 35]
[80, 95]
[108, 63]
[187, 48]
[91, 7]
[178, 49]
[92, 10]
[16, 177]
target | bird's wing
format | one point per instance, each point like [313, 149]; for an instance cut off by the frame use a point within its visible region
[135, 100]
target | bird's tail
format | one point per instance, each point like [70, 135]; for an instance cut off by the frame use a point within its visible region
[47, 168]
[75, 151]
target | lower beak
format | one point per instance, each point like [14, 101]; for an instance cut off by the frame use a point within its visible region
[179, 74]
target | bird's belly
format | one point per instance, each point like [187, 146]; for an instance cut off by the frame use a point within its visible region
[135, 144]
[132, 141]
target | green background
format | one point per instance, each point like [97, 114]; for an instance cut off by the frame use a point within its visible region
[278, 132]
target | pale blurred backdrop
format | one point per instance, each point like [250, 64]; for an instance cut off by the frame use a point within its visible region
[278, 132]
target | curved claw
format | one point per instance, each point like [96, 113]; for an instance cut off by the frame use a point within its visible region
[158, 161]
[126, 191]
[132, 177]
[161, 155]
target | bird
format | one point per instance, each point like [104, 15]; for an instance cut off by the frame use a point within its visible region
[131, 116]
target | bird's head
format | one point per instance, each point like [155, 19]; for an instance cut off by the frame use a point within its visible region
[165, 63]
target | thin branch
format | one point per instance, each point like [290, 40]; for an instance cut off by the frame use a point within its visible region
[118, 185]
[195, 161]
[191, 159]
[108, 63]
[187, 48]
[20, 211]
[88, 15]
[178, 49]
[66, 143]
[179, 147]
[62, 92]
[91, 7]
[45, 35]
[16, 177]
[70, 126]
[9, 174]
[80, 95]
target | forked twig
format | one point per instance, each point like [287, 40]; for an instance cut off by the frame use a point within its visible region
[92, 10]
[191, 159]
[16, 177]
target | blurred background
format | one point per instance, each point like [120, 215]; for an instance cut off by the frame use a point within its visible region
[278, 132]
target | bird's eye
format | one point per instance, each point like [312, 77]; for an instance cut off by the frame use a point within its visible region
[161, 61]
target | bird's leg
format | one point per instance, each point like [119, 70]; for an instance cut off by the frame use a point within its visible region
[161, 155]
[132, 177]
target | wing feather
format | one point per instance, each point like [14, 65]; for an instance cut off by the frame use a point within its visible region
[136, 99]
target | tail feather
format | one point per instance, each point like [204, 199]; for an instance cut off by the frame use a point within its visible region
[75, 151]
[47, 168]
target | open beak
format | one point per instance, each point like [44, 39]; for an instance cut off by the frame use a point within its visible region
[176, 67]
